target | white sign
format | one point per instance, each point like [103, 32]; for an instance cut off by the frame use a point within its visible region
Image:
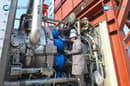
[4, 13]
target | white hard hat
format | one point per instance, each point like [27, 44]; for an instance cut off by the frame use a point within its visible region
[73, 35]
[73, 31]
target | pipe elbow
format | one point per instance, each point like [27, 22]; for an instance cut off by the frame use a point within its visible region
[36, 22]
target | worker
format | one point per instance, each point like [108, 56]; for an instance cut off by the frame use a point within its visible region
[78, 59]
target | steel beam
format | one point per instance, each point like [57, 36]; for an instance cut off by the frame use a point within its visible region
[123, 13]
[91, 9]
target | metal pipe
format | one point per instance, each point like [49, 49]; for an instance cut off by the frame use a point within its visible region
[39, 82]
[54, 20]
[36, 22]
[30, 7]
[95, 52]
[78, 28]
[18, 70]
[51, 23]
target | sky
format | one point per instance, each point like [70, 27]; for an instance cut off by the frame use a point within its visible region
[47, 2]
[20, 11]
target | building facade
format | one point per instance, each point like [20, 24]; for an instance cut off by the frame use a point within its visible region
[115, 18]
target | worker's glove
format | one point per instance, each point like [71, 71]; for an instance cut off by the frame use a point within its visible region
[67, 52]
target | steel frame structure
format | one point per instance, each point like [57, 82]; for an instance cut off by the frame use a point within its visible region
[45, 8]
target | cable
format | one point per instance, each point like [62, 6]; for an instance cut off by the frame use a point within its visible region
[54, 79]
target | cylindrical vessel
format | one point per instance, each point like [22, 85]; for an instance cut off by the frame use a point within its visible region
[55, 33]
[59, 44]
[59, 61]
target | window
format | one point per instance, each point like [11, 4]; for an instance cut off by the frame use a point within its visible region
[117, 2]
[126, 29]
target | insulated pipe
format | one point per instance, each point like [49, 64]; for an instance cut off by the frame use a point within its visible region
[36, 22]
[39, 82]
[44, 18]
[30, 7]
[78, 28]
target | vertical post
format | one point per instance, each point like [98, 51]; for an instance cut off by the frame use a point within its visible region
[10, 23]
[47, 17]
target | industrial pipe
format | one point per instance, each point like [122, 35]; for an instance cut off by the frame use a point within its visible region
[44, 18]
[36, 22]
[19, 70]
[39, 82]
